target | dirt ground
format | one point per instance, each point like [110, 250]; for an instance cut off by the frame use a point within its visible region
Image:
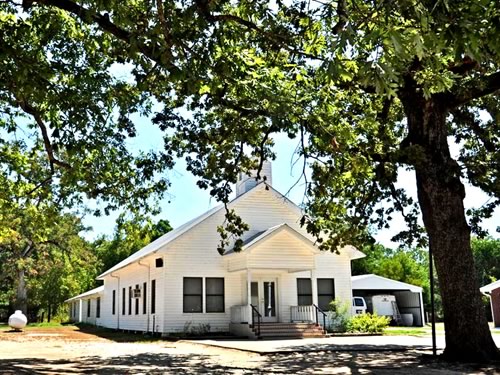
[69, 351]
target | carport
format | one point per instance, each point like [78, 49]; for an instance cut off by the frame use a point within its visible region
[493, 291]
[408, 297]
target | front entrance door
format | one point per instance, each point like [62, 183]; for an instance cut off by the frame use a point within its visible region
[264, 294]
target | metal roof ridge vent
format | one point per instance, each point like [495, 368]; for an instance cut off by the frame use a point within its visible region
[247, 182]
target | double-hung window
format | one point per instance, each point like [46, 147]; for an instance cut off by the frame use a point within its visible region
[153, 296]
[144, 297]
[123, 301]
[304, 292]
[98, 308]
[326, 293]
[214, 294]
[193, 295]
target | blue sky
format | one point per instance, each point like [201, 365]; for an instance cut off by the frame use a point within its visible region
[185, 200]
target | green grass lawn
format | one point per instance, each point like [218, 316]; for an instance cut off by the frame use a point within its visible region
[45, 325]
[422, 331]
[414, 331]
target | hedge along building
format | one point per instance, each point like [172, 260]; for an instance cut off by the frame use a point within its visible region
[180, 280]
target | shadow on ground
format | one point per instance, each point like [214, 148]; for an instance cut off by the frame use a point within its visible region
[315, 347]
[132, 364]
[366, 362]
[318, 362]
[117, 336]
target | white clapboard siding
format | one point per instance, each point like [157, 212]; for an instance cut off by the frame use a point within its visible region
[193, 253]
[282, 251]
[330, 265]
[131, 276]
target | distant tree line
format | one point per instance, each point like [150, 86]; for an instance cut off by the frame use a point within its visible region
[67, 264]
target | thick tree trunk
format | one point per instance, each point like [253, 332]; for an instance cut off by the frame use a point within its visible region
[21, 301]
[440, 195]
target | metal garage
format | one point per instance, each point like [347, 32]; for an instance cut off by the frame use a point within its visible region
[493, 291]
[408, 297]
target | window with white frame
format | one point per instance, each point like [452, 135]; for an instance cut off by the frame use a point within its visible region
[214, 294]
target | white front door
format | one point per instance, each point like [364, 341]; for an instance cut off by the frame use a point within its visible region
[264, 297]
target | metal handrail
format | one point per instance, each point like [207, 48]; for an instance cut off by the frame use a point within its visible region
[318, 310]
[259, 316]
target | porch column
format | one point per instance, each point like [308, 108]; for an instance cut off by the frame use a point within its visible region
[80, 311]
[314, 287]
[422, 314]
[249, 295]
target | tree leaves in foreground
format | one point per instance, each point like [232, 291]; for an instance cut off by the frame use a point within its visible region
[64, 127]
[367, 88]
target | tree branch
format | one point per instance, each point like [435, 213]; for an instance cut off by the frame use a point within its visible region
[477, 88]
[26, 107]
[88, 16]
[342, 13]
[276, 39]
[463, 115]
[164, 26]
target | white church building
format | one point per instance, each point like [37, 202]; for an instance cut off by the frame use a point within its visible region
[280, 281]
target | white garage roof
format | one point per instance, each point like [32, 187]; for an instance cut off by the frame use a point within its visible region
[488, 288]
[375, 282]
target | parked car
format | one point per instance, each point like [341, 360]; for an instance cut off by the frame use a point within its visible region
[358, 305]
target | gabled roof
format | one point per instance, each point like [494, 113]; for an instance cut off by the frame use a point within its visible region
[268, 234]
[89, 293]
[490, 287]
[375, 282]
[172, 235]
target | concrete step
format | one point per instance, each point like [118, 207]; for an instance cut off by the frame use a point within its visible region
[288, 325]
[290, 330]
[297, 330]
[290, 334]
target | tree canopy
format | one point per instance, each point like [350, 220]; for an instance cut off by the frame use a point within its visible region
[130, 235]
[365, 87]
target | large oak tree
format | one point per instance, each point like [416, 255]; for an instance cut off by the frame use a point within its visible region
[368, 87]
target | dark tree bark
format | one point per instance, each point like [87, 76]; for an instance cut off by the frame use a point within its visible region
[441, 195]
[21, 302]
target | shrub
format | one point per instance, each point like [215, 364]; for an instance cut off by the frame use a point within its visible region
[192, 330]
[367, 323]
[338, 316]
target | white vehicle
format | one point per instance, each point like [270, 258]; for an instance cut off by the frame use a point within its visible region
[358, 305]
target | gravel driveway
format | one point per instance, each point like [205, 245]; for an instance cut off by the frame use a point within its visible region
[66, 351]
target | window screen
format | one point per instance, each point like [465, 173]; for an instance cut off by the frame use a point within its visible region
[98, 308]
[144, 297]
[326, 293]
[137, 302]
[214, 294]
[153, 296]
[304, 292]
[192, 295]
[123, 301]
[113, 305]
